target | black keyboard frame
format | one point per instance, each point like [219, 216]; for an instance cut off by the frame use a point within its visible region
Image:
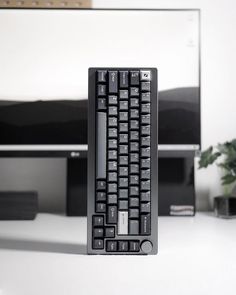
[91, 197]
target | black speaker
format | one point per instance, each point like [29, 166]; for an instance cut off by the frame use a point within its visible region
[15, 205]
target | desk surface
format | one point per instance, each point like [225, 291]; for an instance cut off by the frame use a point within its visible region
[197, 255]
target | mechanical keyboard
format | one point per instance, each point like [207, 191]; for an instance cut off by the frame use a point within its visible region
[122, 161]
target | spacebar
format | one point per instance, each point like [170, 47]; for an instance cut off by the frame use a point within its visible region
[101, 147]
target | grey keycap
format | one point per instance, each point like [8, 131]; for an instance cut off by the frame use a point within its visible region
[145, 130]
[112, 99]
[112, 111]
[112, 143]
[112, 176]
[145, 174]
[123, 222]
[112, 81]
[112, 122]
[145, 152]
[134, 213]
[101, 90]
[101, 196]
[145, 140]
[124, 79]
[124, 94]
[123, 193]
[134, 146]
[145, 163]
[123, 127]
[123, 171]
[145, 75]
[112, 199]
[123, 160]
[112, 166]
[110, 232]
[100, 207]
[101, 150]
[145, 108]
[133, 227]
[123, 116]
[123, 138]
[112, 155]
[102, 104]
[145, 86]
[112, 214]
[146, 119]
[134, 158]
[112, 188]
[101, 76]
[134, 124]
[134, 114]
[145, 196]
[134, 190]
[134, 179]
[134, 135]
[134, 168]
[134, 77]
[98, 232]
[124, 105]
[134, 102]
[123, 149]
[123, 205]
[145, 97]
[145, 207]
[112, 132]
[134, 91]
[123, 182]
[145, 185]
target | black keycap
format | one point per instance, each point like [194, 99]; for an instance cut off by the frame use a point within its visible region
[134, 124]
[98, 220]
[112, 188]
[145, 196]
[123, 149]
[145, 130]
[112, 199]
[134, 135]
[112, 176]
[123, 171]
[112, 122]
[110, 232]
[101, 90]
[145, 86]
[134, 146]
[98, 232]
[134, 103]
[134, 114]
[145, 141]
[145, 207]
[112, 166]
[100, 207]
[113, 81]
[124, 105]
[123, 116]
[123, 182]
[145, 119]
[123, 138]
[123, 160]
[145, 97]
[112, 132]
[101, 76]
[134, 246]
[123, 246]
[101, 185]
[134, 213]
[124, 94]
[123, 194]
[98, 244]
[112, 143]
[134, 202]
[134, 190]
[145, 108]
[102, 104]
[124, 79]
[133, 227]
[134, 77]
[145, 163]
[145, 152]
[101, 196]
[145, 227]
[112, 155]
[134, 168]
[145, 185]
[134, 180]
[112, 111]
[145, 174]
[112, 214]
[123, 205]
[111, 246]
[123, 127]
[112, 99]
[134, 91]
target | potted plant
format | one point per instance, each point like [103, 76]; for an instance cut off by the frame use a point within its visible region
[224, 155]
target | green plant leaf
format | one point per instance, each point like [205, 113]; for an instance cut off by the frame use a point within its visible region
[208, 157]
[228, 178]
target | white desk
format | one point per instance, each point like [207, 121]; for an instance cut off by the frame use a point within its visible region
[196, 256]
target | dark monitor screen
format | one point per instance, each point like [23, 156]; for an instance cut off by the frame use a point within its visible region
[44, 61]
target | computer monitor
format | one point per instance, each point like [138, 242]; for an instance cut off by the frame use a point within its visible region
[44, 61]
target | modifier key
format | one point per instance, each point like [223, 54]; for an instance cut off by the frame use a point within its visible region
[113, 81]
[112, 215]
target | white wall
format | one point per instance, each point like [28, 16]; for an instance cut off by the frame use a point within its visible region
[218, 24]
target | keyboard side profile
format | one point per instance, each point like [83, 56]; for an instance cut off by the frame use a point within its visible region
[122, 161]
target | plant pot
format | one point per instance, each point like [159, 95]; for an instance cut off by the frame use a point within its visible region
[225, 206]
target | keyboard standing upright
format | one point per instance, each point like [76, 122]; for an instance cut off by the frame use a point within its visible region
[122, 161]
